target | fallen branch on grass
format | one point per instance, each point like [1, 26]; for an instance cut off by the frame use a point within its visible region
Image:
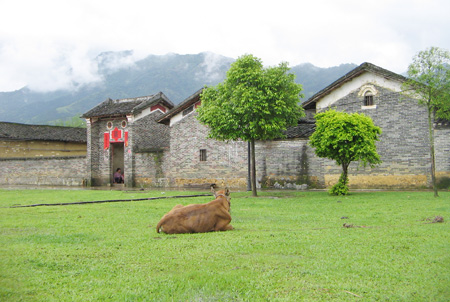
[436, 219]
[352, 294]
[345, 225]
[104, 201]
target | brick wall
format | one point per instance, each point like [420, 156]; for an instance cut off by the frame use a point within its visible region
[442, 151]
[99, 158]
[70, 171]
[287, 162]
[225, 164]
[150, 139]
[403, 145]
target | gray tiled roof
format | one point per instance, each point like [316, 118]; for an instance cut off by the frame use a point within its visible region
[304, 129]
[194, 98]
[15, 131]
[127, 106]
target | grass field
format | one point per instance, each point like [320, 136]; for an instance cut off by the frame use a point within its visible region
[286, 246]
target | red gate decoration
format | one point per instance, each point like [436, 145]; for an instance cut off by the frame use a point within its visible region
[106, 140]
[115, 136]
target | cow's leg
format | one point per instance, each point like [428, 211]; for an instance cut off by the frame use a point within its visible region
[223, 225]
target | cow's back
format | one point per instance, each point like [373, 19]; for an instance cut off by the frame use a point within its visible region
[195, 218]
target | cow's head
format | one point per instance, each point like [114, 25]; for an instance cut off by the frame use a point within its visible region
[224, 193]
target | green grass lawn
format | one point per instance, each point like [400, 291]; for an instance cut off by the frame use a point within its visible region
[286, 246]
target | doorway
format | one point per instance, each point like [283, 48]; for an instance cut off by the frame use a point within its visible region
[117, 159]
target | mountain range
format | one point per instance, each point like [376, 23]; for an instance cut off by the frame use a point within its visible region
[177, 76]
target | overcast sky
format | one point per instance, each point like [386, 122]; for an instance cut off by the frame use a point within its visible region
[48, 44]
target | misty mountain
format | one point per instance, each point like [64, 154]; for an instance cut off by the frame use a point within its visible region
[315, 78]
[177, 76]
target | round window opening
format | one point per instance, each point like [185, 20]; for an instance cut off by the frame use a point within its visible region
[109, 125]
[124, 124]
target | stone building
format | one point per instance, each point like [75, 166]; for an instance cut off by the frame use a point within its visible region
[160, 145]
[290, 162]
[42, 155]
[404, 144]
[122, 134]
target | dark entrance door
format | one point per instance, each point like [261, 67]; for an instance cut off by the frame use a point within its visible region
[117, 159]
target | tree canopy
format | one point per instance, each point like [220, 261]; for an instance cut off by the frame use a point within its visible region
[345, 138]
[429, 79]
[252, 103]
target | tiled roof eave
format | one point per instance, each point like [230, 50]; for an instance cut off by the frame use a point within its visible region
[195, 97]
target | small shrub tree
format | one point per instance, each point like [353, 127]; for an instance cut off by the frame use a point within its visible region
[345, 138]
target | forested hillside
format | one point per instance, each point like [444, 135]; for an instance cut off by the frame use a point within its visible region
[177, 76]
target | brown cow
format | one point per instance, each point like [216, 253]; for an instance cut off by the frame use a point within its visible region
[199, 218]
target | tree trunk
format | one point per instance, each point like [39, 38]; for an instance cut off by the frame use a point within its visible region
[252, 148]
[344, 175]
[433, 158]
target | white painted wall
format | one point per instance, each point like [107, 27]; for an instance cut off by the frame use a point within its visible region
[355, 84]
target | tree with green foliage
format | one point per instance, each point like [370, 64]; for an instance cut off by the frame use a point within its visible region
[252, 103]
[345, 138]
[75, 121]
[429, 82]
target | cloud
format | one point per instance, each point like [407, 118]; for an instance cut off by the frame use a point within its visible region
[211, 64]
[46, 65]
[52, 44]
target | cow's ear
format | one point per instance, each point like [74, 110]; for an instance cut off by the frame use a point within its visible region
[227, 192]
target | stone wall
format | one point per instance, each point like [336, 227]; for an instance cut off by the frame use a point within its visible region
[149, 169]
[98, 158]
[49, 171]
[403, 145]
[150, 141]
[283, 162]
[225, 164]
[442, 147]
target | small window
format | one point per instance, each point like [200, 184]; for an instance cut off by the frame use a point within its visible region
[202, 154]
[368, 98]
[124, 124]
[188, 110]
[109, 125]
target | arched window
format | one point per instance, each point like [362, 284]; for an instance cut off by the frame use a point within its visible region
[368, 98]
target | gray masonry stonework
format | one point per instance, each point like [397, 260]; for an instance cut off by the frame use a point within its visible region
[287, 162]
[150, 142]
[403, 145]
[442, 145]
[50, 171]
[224, 162]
